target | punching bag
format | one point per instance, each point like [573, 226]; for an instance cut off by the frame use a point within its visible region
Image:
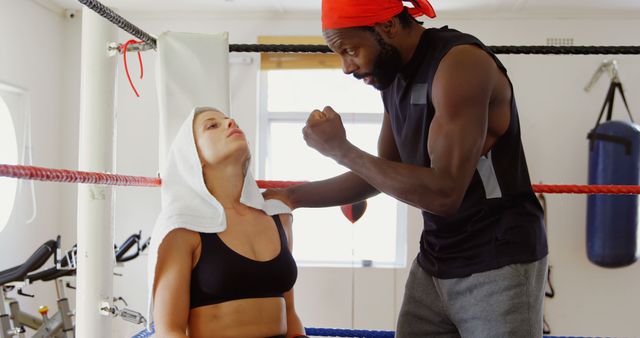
[614, 159]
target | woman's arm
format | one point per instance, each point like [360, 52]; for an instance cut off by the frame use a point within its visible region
[172, 282]
[294, 325]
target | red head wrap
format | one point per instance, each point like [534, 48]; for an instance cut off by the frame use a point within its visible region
[355, 13]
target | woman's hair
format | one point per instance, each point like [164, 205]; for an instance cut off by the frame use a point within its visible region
[199, 110]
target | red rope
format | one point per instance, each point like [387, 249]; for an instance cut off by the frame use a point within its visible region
[587, 189]
[277, 184]
[123, 49]
[72, 176]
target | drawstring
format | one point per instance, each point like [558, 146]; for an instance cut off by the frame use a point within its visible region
[123, 50]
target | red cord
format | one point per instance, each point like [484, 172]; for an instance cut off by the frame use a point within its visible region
[123, 49]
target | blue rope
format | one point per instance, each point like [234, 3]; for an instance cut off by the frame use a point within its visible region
[321, 332]
[348, 333]
[144, 333]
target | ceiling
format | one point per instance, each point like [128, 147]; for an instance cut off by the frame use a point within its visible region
[577, 7]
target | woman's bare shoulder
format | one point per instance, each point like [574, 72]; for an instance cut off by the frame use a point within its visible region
[181, 238]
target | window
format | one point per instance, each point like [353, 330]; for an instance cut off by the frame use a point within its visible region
[8, 155]
[324, 237]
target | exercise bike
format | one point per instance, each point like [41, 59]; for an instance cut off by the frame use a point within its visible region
[17, 277]
[60, 325]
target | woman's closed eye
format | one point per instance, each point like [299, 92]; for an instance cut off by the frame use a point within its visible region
[213, 125]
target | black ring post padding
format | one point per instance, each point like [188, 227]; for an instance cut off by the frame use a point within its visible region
[595, 136]
[34, 262]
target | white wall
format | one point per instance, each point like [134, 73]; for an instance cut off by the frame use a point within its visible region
[34, 56]
[555, 116]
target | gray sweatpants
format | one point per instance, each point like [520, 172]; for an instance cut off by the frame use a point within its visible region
[506, 302]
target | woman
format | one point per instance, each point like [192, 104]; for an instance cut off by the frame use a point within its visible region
[224, 265]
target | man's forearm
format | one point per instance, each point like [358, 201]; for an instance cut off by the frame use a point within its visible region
[414, 185]
[340, 190]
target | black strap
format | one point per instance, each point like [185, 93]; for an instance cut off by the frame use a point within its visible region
[608, 105]
[608, 102]
[624, 99]
[593, 136]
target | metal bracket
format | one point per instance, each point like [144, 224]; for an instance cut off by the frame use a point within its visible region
[72, 259]
[607, 65]
[132, 316]
[115, 47]
[16, 331]
[106, 309]
[126, 314]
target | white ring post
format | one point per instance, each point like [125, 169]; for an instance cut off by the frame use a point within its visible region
[95, 214]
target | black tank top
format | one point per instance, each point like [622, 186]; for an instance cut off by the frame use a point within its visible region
[222, 274]
[500, 220]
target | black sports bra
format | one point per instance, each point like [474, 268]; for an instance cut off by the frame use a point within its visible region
[222, 274]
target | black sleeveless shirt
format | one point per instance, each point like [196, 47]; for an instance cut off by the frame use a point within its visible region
[500, 220]
[222, 274]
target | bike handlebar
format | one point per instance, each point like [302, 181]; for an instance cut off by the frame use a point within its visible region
[54, 272]
[34, 262]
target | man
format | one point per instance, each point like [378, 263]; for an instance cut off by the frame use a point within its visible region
[450, 145]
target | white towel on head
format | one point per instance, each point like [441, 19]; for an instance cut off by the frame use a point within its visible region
[191, 69]
[186, 202]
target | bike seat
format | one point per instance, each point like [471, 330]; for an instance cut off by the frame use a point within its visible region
[34, 262]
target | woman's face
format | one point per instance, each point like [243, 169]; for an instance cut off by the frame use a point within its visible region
[218, 139]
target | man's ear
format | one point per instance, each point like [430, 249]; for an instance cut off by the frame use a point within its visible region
[388, 29]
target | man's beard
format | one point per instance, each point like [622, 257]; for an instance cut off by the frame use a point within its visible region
[386, 66]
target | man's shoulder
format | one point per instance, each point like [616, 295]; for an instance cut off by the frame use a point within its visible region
[446, 35]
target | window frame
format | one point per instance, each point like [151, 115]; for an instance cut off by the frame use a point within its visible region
[16, 108]
[265, 118]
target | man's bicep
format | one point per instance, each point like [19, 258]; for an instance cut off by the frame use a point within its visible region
[461, 94]
[387, 147]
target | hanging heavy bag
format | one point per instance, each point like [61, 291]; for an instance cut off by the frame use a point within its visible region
[614, 158]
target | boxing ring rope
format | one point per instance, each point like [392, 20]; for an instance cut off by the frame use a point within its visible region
[132, 29]
[86, 177]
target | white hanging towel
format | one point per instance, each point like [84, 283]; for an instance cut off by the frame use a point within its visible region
[193, 75]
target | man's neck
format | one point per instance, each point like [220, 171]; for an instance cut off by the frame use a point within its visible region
[409, 43]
